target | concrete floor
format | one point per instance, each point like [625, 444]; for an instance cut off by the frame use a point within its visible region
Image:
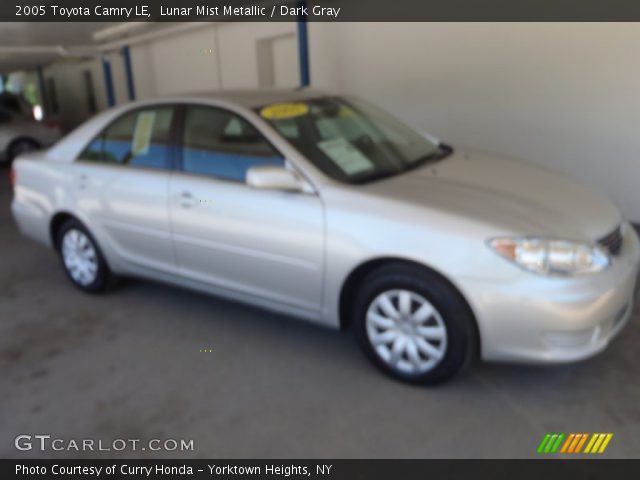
[128, 365]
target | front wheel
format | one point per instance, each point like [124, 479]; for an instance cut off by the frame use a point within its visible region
[81, 258]
[413, 324]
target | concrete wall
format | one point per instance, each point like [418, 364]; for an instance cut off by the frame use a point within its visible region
[562, 95]
[204, 58]
[238, 47]
[220, 56]
[71, 92]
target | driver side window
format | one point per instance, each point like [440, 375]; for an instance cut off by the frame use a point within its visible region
[220, 144]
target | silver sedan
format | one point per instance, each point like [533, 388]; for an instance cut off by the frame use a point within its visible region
[328, 209]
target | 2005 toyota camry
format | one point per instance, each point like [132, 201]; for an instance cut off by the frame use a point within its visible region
[326, 208]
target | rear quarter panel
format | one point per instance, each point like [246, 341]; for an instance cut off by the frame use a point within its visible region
[40, 191]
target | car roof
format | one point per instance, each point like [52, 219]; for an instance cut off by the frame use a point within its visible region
[69, 147]
[260, 97]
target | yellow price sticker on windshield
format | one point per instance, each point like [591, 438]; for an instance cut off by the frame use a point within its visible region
[281, 111]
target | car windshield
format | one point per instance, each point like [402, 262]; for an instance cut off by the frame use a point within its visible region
[351, 140]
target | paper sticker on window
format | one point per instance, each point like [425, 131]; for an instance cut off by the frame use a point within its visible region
[233, 128]
[345, 155]
[142, 133]
[280, 111]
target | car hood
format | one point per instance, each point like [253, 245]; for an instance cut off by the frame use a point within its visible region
[515, 197]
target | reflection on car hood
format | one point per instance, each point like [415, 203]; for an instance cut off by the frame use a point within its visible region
[516, 196]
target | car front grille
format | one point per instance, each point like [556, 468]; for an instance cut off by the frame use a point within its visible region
[612, 241]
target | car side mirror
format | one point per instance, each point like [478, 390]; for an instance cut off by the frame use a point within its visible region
[275, 178]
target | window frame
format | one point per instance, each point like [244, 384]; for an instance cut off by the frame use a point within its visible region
[169, 162]
[179, 141]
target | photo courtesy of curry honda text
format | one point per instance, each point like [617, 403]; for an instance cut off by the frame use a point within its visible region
[326, 208]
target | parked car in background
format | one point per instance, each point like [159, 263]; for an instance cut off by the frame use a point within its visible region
[19, 131]
[327, 208]
[15, 103]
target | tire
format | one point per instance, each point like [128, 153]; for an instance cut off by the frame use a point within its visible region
[81, 258]
[21, 146]
[401, 307]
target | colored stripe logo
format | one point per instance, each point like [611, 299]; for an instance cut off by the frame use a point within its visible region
[573, 443]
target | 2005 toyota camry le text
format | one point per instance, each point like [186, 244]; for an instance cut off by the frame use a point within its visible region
[326, 208]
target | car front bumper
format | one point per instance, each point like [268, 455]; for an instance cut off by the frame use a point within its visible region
[538, 319]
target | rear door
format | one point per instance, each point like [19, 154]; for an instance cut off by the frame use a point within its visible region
[264, 243]
[121, 183]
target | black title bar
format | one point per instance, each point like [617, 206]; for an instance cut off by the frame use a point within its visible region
[318, 10]
[541, 469]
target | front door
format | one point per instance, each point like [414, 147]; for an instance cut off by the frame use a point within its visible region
[265, 243]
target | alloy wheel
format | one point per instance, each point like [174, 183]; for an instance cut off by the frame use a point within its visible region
[406, 331]
[80, 257]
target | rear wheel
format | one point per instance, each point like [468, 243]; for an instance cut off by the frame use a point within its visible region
[413, 324]
[81, 257]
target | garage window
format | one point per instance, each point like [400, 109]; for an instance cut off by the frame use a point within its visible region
[219, 143]
[140, 138]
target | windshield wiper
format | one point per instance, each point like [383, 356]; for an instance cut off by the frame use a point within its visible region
[441, 152]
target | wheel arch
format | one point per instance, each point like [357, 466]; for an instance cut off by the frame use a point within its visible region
[360, 272]
[22, 138]
[58, 219]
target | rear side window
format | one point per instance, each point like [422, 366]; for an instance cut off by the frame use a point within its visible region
[221, 144]
[140, 138]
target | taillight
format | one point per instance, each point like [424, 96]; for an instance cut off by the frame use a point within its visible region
[12, 177]
[52, 124]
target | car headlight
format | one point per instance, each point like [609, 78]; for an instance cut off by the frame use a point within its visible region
[551, 256]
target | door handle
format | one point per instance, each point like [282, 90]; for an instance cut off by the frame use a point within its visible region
[83, 181]
[186, 200]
